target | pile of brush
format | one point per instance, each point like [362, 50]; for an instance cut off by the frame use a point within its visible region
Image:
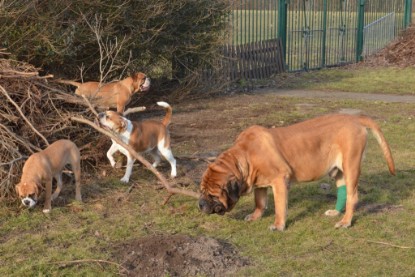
[34, 112]
[400, 52]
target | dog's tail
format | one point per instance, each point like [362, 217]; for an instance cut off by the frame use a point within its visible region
[377, 132]
[73, 83]
[169, 111]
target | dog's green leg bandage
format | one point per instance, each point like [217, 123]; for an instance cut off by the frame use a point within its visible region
[341, 198]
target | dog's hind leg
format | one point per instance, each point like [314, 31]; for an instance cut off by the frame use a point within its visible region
[351, 176]
[76, 168]
[340, 184]
[168, 155]
[58, 178]
[48, 193]
[155, 153]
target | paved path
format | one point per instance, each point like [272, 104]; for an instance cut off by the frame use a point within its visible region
[343, 95]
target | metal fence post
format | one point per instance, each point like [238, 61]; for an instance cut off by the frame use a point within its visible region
[282, 25]
[323, 51]
[408, 13]
[359, 33]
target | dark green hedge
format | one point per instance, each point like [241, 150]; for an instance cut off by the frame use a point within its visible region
[158, 35]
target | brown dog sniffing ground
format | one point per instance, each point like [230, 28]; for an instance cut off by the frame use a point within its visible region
[275, 157]
[40, 169]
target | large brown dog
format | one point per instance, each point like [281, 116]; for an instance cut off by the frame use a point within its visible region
[306, 151]
[145, 136]
[115, 94]
[45, 165]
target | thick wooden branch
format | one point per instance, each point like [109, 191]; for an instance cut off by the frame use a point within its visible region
[138, 157]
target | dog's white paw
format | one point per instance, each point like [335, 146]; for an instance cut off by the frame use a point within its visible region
[125, 179]
[248, 218]
[276, 228]
[342, 224]
[332, 213]
[46, 211]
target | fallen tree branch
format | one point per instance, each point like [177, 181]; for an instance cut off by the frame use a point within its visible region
[390, 244]
[64, 263]
[13, 161]
[140, 158]
[134, 110]
[22, 115]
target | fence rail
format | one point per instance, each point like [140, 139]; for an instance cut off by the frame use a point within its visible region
[270, 36]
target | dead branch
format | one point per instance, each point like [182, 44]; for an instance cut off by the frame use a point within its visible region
[90, 106]
[22, 114]
[134, 110]
[64, 263]
[140, 158]
[390, 244]
[13, 161]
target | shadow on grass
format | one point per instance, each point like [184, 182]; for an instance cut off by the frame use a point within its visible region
[378, 193]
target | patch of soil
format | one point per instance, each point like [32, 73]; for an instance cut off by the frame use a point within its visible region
[178, 255]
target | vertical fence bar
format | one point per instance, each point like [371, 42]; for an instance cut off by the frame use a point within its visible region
[360, 26]
[282, 25]
[407, 13]
[324, 38]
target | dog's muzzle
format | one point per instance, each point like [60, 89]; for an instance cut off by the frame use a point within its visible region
[211, 207]
[28, 202]
[146, 85]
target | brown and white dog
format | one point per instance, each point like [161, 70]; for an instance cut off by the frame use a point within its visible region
[306, 151]
[145, 136]
[116, 94]
[40, 169]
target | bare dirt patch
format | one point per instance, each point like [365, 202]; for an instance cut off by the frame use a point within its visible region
[178, 255]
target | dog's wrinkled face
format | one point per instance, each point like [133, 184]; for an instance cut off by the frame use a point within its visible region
[219, 195]
[113, 121]
[141, 82]
[28, 193]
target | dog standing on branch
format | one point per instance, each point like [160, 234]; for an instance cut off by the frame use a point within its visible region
[306, 151]
[116, 94]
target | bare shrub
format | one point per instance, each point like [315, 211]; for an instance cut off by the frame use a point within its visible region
[33, 114]
[166, 39]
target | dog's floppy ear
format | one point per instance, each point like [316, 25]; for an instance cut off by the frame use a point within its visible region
[17, 187]
[233, 188]
[121, 126]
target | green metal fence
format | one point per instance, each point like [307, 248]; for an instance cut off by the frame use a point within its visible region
[320, 33]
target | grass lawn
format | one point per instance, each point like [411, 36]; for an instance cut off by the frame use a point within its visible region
[353, 79]
[79, 239]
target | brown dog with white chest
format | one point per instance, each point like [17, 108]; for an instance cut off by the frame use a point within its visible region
[116, 94]
[306, 151]
[149, 136]
[40, 169]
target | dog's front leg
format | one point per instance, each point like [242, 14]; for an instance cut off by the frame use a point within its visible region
[111, 152]
[260, 204]
[48, 195]
[280, 191]
[129, 169]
